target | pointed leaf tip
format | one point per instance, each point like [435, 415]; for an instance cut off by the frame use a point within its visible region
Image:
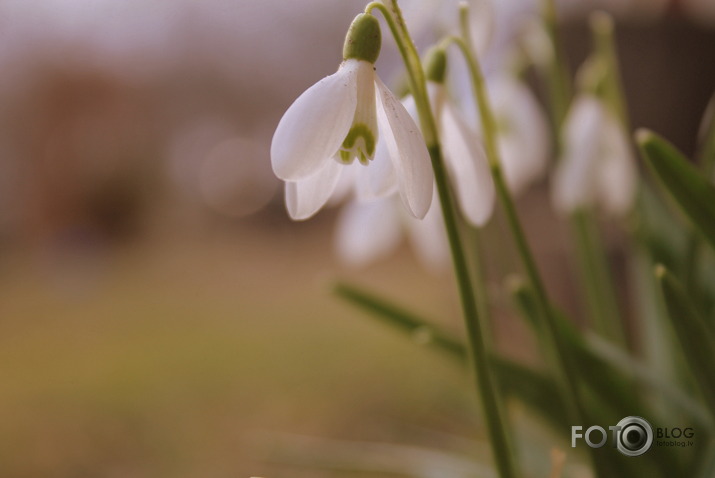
[660, 271]
[643, 135]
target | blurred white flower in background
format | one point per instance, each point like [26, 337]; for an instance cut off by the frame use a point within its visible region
[506, 34]
[369, 231]
[522, 131]
[597, 166]
[463, 155]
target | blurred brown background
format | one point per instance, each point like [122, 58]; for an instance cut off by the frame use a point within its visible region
[159, 314]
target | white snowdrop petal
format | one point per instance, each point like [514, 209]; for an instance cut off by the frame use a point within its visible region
[617, 174]
[305, 197]
[511, 153]
[368, 231]
[573, 183]
[429, 239]
[315, 125]
[361, 139]
[407, 150]
[467, 165]
[379, 178]
[344, 187]
[524, 143]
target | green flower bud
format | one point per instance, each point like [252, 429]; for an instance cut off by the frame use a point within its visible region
[436, 64]
[364, 39]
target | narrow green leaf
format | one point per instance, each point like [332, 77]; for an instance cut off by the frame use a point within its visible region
[696, 340]
[693, 192]
[419, 329]
[658, 230]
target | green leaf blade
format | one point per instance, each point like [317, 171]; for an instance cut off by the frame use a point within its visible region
[696, 340]
[694, 193]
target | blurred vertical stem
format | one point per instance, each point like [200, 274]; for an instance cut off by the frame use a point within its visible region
[486, 383]
[558, 80]
[481, 290]
[551, 342]
[603, 38]
[707, 155]
[596, 276]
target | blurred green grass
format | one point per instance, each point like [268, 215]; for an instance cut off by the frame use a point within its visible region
[176, 357]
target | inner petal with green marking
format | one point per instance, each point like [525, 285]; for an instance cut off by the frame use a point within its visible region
[359, 143]
[361, 140]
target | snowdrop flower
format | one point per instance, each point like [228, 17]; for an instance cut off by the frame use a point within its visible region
[597, 166]
[522, 131]
[523, 135]
[337, 121]
[464, 156]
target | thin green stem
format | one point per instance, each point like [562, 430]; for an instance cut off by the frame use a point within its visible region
[415, 73]
[603, 33]
[595, 274]
[481, 290]
[558, 80]
[486, 383]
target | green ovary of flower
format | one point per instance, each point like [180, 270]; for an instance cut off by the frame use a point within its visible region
[359, 143]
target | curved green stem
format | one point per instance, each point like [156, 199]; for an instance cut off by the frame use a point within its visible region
[416, 76]
[486, 383]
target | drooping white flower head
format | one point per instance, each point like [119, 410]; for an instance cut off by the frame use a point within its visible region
[346, 116]
[464, 156]
[522, 131]
[597, 166]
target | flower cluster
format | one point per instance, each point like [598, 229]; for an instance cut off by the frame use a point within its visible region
[350, 136]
